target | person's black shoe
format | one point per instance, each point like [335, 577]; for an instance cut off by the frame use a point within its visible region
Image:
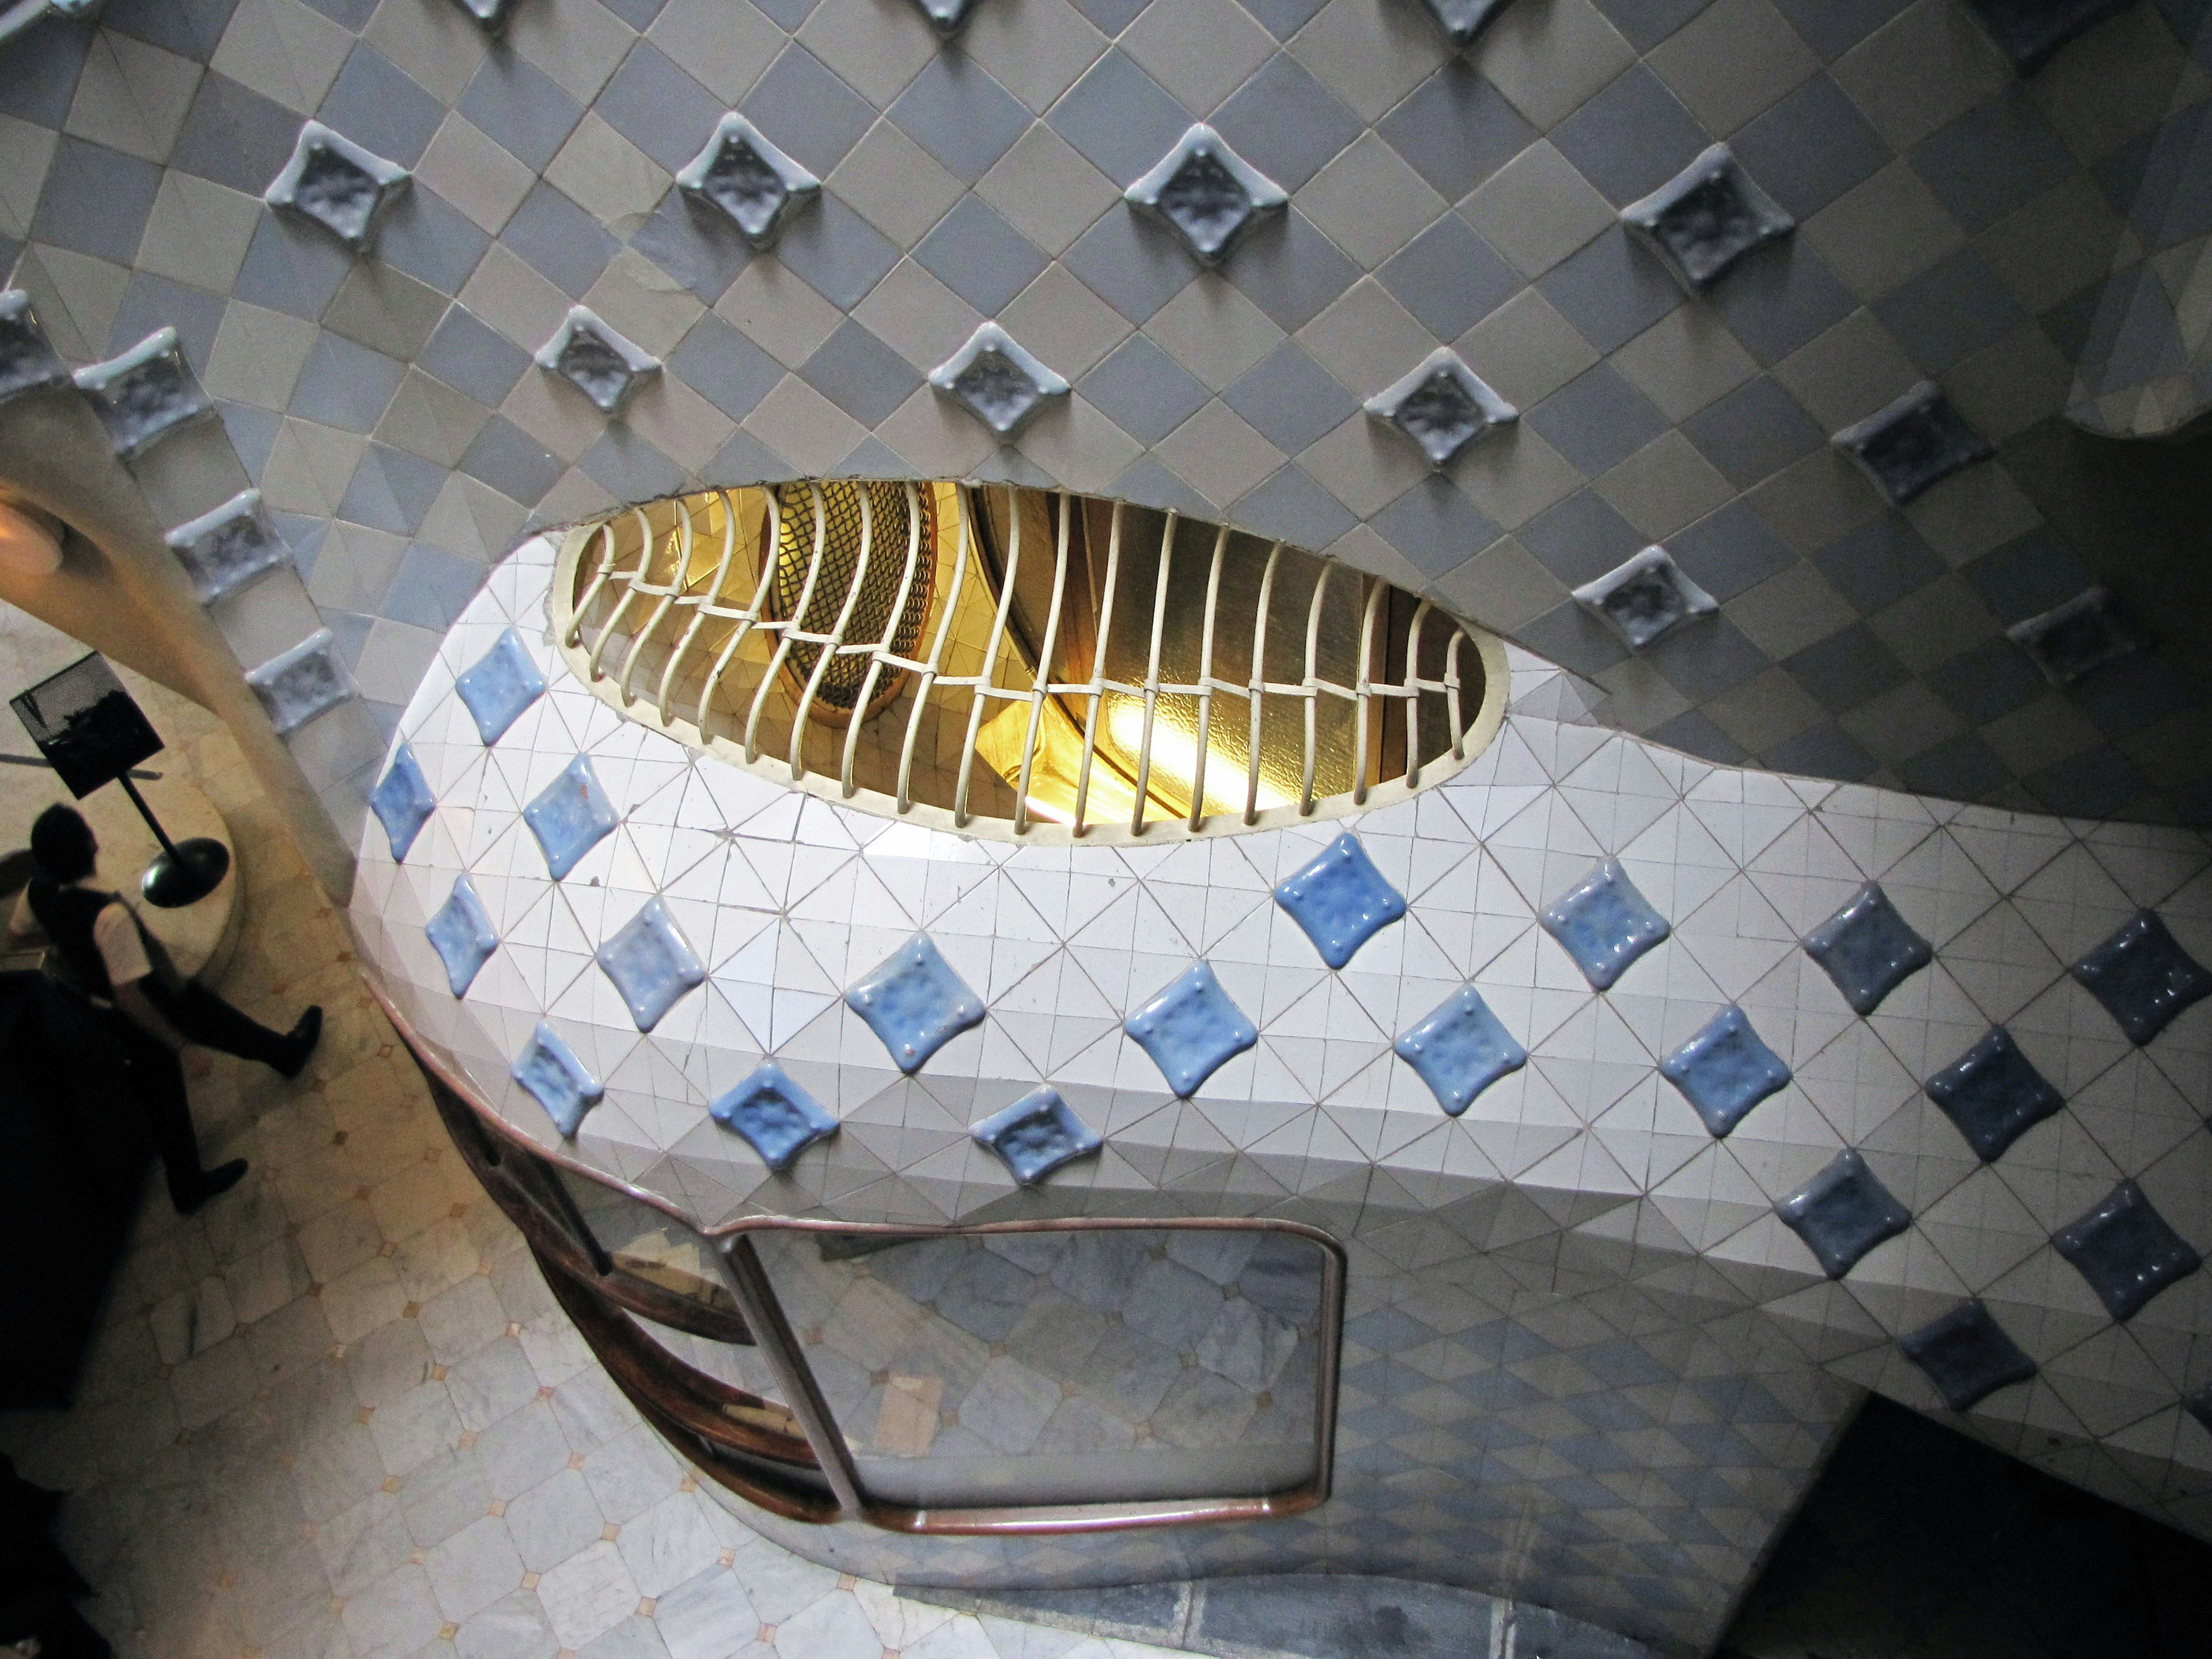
[213, 1184]
[303, 1039]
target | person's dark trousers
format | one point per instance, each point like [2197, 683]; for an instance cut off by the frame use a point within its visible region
[157, 1084]
[202, 1017]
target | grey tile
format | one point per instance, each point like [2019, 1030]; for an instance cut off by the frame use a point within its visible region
[2028, 575]
[1290, 506]
[1455, 129]
[231, 134]
[1148, 483]
[1645, 23]
[151, 302]
[376, 103]
[1286, 123]
[860, 374]
[979, 256]
[1597, 420]
[350, 15]
[292, 268]
[1570, 636]
[512, 462]
[807, 111]
[1846, 669]
[43, 66]
[959, 114]
[638, 14]
[472, 357]
[1879, 564]
[1631, 138]
[519, 108]
[1810, 148]
[1142, 390]
[725, 367]
[559, 241]
[1131, 267]
[1611, 290]
[1987, 683]
[1833, 27]
[1779, 298]
[1435, 527]
[431, 587]
[1448, 277]
[191, 28]
[2137, 692]
[789, 14]
[1705, 658]
[840, 255]
[344, 384]
[96, 201]
[658, 107]
[1290, 399]
[1993, 158]
[1754, 432]
[2097, 783]
[1290, 270]
[629, 468]
[431, 239]
[1581, 538]
[1963, 768]
[1730, 550]
[744, 459]
[1284, 18]
[391, 490]
[2159, 177]
[1121, 119]
[2135, 336]
[253, 434]
[1111, 17]
[1825, 751]
[1949, 311]
[698, 246]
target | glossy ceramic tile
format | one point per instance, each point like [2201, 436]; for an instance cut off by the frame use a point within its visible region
[403, 802]
[27, 360]
[1207, 194]
[571, 815]
[499, 686]
[650, 964]
[1994, 1094]
[1605, 924]
[1912, 445]
[462, 934]
[228, 547]
[1645, 597]
[1723, 1070]
[1843, 1212]
[337, 184]
[1340, 900]
[605, 366]
[557, 1079]
[145, 394]
[1867, 949]
[1035, 1135]
[1191, 1029]
[2143, 977]
[1968, 1355]
[742, 176]
[2071, 640]
[777, 1118]
[2126, 1251]
[1461, 1050]
[1442, 405]
[1706, 217]
[997, 379]
[307, 680]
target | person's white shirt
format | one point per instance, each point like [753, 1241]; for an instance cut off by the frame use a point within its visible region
[114, 935]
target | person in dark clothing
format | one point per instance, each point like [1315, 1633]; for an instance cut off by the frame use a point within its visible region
[153, 1012]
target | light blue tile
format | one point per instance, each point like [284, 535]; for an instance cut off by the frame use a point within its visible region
[1843, 1212]
[403, 802]
[1191, 1029]
[2126, 1251]
[561, 1083]
[1868, 949]
[1994, 1094]
[499, 686]
[777, 1118]
[1605, 924]
[651, 964]
[1968, 1355]
[1340, 900]
[1724, 1070]
[1035, 1135]
[571, 817]
[916, 1003]
[2143, 977]
[462, 934]
[1461, 1050]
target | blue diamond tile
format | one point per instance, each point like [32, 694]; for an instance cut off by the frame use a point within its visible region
[1843, 1212]
[462, 935]
[1191, 1029]
[1706, 218]
[2073, 639]
[1724, 1070]
[916, 1003]
[777, 1118]
[1968, 1355]
[1994, 1094]
[1461, 1050]
[1205, 193]
[571, 817]
[1911, 445]
[561, 1083]
[2143, 977]
[2126, 1250]
[1341, 900]
[1605, 924]
[499, 686]
[403, 802]
[1035, 1135]
[1868, 949]
[650, 964]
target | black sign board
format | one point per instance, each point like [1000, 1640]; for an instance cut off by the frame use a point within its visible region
[86, 725]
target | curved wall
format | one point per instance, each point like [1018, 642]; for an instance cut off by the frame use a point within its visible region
[1956, 221]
